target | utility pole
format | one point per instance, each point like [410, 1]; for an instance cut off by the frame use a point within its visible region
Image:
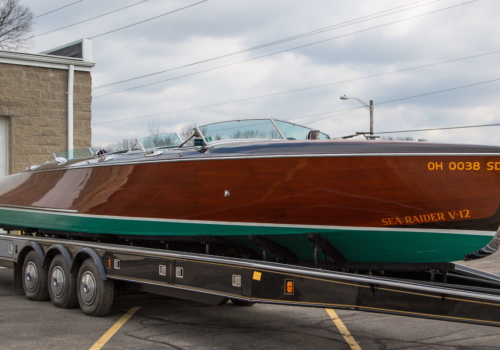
[368, 107]
[371, 117]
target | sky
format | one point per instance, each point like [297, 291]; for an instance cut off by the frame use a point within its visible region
[425, 64]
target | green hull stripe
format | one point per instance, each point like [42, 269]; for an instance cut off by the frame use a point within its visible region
[368, 245]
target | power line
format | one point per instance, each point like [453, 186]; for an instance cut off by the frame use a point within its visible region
[60, 8]
[278, 52]
[149, 19]
[432, 129]
[344, 111]
[309, 88]
[399, 99]
[87, 20]
[298, 36]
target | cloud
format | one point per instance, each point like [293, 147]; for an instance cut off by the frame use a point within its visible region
[219, 27]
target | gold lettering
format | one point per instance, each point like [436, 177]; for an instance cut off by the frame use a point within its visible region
[440, 216]
[385, 222]
[408, 219]
[489, 166]
[427, 217]
[434, 217]
[415, 219]
[467, 213]
[452, 215]
[398, 221]
[435, 165]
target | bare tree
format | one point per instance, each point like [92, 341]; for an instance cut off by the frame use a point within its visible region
[15, 24]
[154, 132]
[186, 132]
[397, 138]
[122, 145]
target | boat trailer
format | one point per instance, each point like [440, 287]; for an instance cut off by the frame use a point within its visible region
[89, 271]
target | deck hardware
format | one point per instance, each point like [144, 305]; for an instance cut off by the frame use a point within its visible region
[180, 154]
[60, 160]
[179, 272]
[117, 264]
[11, 249]
[227, 193]
[289, 287]
[105, 158]
[33, 167]
[236, 280]
[162, 270]
[154, 152]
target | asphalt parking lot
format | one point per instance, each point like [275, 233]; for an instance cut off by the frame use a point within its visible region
[164, 323]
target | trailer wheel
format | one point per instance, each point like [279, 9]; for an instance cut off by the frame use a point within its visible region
[95, 296]
[34, 278]
[62, 284]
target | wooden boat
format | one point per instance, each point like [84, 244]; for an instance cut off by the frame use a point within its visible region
[374, 201]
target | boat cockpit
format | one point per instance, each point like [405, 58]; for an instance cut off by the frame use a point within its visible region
[203, 138]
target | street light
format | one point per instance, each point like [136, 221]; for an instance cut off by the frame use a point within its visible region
[368, 107]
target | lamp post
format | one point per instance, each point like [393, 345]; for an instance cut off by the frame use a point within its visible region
[368, 107]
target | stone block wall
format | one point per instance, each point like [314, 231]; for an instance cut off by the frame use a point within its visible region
[35, 101]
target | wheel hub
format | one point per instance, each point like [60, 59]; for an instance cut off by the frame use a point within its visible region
[31, 274]
[57, 281]
[88, 288]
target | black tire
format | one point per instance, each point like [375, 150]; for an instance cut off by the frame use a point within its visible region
[62, 284]
[237, 302]
[34, 278]
[95, 296]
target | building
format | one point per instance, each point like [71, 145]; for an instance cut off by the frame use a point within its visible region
[45, 104]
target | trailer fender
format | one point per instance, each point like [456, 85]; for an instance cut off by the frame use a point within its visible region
[29, 247]
[84, 254]
[54, 250]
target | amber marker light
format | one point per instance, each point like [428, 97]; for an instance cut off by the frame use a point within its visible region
[289, 287]
[108, 264]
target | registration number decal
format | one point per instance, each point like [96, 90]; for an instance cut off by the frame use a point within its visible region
[463, 166]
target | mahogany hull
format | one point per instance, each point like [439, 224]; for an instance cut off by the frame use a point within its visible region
[372, 207]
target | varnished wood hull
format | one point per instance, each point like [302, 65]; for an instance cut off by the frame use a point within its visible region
[384, 208]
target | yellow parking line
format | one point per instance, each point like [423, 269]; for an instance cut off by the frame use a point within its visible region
[343, 330]
[107, 336]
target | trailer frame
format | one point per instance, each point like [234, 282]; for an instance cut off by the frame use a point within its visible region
[87, 273]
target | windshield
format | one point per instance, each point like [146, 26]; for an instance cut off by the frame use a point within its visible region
[297, 132]
[240, 129]
[161, 140]
[75, 153]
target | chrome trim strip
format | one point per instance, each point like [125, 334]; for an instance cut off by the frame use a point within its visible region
[319, 155]
[8, 207]
[251, 224]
